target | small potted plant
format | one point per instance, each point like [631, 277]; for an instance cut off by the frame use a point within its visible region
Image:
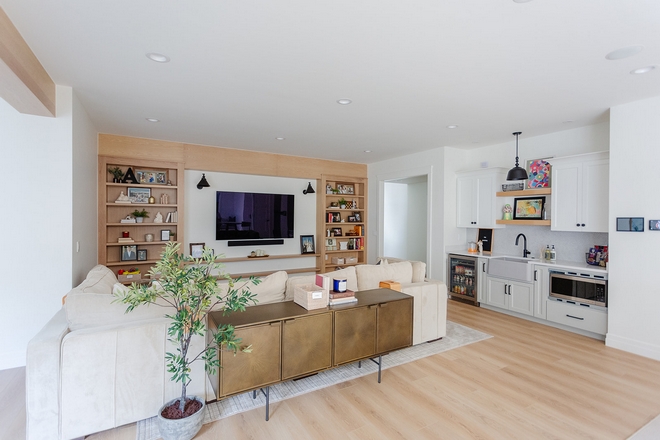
[117, 174]
[140, 215]
[342, 203]
[191, 291]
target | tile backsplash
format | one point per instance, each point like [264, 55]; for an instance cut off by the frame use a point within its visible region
[570, 246]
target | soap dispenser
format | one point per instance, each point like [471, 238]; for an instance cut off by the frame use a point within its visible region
[553, 254]
[546, 254]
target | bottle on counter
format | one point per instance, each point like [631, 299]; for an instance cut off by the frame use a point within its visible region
[546, 255]
[553, 254]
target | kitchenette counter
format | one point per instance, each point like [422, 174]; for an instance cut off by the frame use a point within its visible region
[560, 264]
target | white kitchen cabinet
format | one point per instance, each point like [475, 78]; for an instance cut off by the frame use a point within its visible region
[482, 273]
[591, 319]
[511, 295]
[580, 193]
[541, 290]
[475, 197]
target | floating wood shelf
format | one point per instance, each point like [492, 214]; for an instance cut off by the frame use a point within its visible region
[524, 222]
[525, 193]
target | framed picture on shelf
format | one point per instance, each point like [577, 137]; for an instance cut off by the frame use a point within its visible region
[330, 244]
[129, 252]
[164, 235]
[334, 217]
[358, 217]
[139, 195]
[307, 244]
[352, 219]
[196, 250]
[539, 172]
[528, 208]
[336, 232]
[142, 255]
[151, 177]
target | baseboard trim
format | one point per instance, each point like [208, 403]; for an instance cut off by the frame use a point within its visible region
[634, 346]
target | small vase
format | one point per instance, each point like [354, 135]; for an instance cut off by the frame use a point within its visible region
[115, 180]
[139, 219]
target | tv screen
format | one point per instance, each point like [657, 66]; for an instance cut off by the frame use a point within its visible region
[249, 216]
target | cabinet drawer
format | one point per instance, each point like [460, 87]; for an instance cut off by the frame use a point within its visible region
[577, 316]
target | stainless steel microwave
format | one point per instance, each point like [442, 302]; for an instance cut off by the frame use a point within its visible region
[584, 288]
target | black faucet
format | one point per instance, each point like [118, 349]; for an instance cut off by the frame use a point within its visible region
[525, 251]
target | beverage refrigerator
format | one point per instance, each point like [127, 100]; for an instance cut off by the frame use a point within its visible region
[462, 279]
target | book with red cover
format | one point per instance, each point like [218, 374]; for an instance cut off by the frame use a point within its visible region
[347, 294]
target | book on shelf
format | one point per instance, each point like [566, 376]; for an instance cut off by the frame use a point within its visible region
[125, 240]
[336, 302]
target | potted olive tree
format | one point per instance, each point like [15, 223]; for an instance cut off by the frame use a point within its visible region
[189, 287]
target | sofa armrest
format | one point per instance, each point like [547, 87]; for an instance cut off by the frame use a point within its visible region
[42, 374]
[429, 309]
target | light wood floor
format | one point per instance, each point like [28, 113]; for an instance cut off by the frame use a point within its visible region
[529, 381]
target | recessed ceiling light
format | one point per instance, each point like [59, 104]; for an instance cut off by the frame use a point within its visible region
[344, 101]
[367, 151]
[153, 120]
[624, 52]
[452, 126]
[280, 139]
[158, 57]
[643, 70]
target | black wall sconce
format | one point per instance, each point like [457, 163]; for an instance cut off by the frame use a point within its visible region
[309, 189]
[203, 183]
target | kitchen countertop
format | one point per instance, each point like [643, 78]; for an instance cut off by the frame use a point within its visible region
[560, 264]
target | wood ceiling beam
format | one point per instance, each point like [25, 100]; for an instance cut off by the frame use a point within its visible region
[24, 83]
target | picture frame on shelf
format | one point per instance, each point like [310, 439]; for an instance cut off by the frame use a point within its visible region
[307, 244]
[138, 195]
[336, 232]
[334, 217]
[164, 235]
[129, 252]
[539, 172]
[151, 177]
[346, 189]
[330, 244]
[358, 217]
[351, 219]
[142, 255]
[528, 208]
[196, 249]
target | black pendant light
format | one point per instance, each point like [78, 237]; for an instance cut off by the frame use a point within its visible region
[203, 183]
[517, 173]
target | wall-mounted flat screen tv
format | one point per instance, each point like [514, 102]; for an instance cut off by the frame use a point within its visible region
[250, 216]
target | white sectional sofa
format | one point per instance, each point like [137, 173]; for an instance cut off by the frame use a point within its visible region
[94, 367]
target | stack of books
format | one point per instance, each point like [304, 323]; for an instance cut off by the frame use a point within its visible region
[125, 240]
[337, 298]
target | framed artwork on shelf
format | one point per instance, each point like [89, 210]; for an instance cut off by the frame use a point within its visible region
[196, 249]
[334, 217]
[164, 235]
[539, 172]
[336, 232]
[358, 217]
[330, 244]
[307, 244]
[351, 219]
[142, 255]
[528, 208]
[346, 189]
[139, 195]
[129, 252]
[151, 177]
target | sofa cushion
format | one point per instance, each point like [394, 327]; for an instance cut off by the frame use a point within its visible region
[369, 276]
[347, 273]
[99, 280]
[419, 271]
[270, 289]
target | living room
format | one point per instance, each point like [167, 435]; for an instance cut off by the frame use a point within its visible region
[57, 205]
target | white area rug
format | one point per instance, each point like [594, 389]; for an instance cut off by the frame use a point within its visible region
[457, 336]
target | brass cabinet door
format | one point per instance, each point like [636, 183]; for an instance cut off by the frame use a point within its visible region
[394, 325]
[355, 333]
[246, 371]
[306, 345]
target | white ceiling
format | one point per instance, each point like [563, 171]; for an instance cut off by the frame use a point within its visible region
[244, 72]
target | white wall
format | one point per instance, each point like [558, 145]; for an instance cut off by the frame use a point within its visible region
[200, 218]
[417, 213]
[84, 242]
[634, 293]
[36, 223]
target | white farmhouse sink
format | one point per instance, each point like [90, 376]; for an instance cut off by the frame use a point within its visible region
[511, 268]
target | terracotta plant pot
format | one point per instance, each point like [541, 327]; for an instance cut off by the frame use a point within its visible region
[181, 429]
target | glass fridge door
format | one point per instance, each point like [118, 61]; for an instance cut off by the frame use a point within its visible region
[463, 277]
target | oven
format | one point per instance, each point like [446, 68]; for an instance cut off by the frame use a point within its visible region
[582, 288]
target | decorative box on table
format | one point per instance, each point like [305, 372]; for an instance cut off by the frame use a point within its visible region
[310, 296]
[389, 284]
[129, 277]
